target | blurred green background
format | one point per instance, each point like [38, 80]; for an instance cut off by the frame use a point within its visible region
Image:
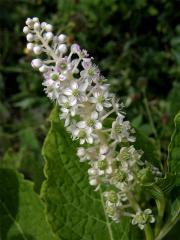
[136, 44]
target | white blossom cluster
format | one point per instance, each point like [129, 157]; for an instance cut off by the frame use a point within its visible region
[92, 115]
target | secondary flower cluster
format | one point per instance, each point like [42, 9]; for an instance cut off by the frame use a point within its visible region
[92, 115]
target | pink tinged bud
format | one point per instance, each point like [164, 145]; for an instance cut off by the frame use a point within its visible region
[36, 63]
[75, 48]
[104, 149]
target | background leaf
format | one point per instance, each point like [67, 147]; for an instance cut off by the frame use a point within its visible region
[149, 147]
[174, 150]
[74, 210]
[21, 211]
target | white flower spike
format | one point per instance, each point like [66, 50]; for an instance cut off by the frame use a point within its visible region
[74, 82]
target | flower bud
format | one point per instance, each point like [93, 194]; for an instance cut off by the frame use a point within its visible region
[37, 26]
[62, 38]
[43, 24]
[43, 69]
[93, 182]
[48, 27]
[75, 48]
[30, 46]
[81, 152]
[26, 30]
[36, 63]
[30, 37]
[49, 36]
[62, 48]
[37, 50]
[35, 19]
[103, 149]
[92, 171]
[29, 21]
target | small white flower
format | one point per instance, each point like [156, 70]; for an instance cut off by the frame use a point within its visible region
[54, 76]
[100, 99]
[91, 71]
[82, 132]
[82, 154]
[121, 130]
[93, 121]
[77, 90]
[68, 108]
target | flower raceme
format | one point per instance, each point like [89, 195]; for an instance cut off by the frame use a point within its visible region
[74, 82]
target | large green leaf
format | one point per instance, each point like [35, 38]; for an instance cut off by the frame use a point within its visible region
[174, 150]
[74, 210]
[21, 211]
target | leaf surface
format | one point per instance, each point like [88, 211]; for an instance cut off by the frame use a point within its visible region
[174, 150]
[21, 211]
[75, 211]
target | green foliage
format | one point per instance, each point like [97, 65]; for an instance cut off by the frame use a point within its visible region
[74, 209]
[21, 211]
[150, 148]
[174, 150]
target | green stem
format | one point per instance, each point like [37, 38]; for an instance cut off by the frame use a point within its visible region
[167, 227]
[132, 201]
[148, 232]
[161, 207]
